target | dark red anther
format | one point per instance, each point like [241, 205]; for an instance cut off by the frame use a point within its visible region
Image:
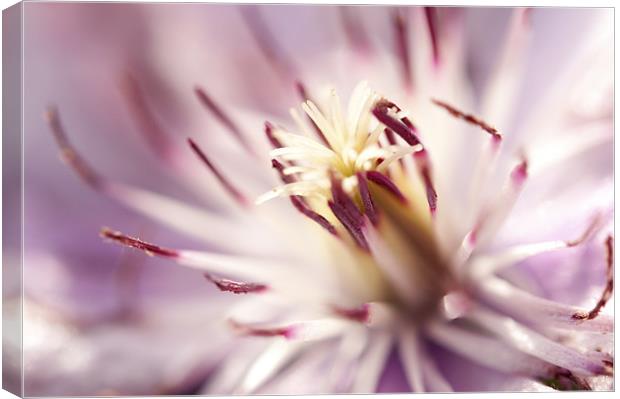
[360, 314]
[302, 207]
[347, 213]
[342, 199]
[609, 285]
[277, 165]
[303, 94]
[385, 182]
[301, 91]
[402, 48]
[354, 30]
[246, 329]
[147, 122]
[232, 190]
[468, 118]
[275, 143]
[266, 42]
[389, 134]
[431, 20]
[224, 119]
[299, 203]
[421, 158]
[354, 227]
[132, 242]
[369, 206]
[234, 286]
[391, 138]
[403, 127]
[68, 152]
[405, 120]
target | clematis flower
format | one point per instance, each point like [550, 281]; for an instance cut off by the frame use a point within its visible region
[418, 228]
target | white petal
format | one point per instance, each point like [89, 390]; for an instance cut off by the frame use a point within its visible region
[539, 311]
[535, 344]
[408, 345]
[372, 363]
[268, 364]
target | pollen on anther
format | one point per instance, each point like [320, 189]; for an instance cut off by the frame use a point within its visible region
[150, 249]
[469, 118]
[287, 332]
[234, 286]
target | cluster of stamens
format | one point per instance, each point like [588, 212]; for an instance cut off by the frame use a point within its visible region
[353, 150]
[351, 146]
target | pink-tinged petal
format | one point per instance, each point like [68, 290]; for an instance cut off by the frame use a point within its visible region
[496, 262]
[492, 218]
[487, 351]
[435, 379]
[586, 77]
[293, 378]
[409, 350]
[267, 365]
[535, 344]
[541, 312]
[372, 363]
[152, 360]
[346, 356]
[500, 93]
[393, 378]
[234, 366]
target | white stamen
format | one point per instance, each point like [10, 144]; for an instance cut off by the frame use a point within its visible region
[353, 146]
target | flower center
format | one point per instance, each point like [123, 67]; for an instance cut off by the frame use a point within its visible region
[361, 185]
